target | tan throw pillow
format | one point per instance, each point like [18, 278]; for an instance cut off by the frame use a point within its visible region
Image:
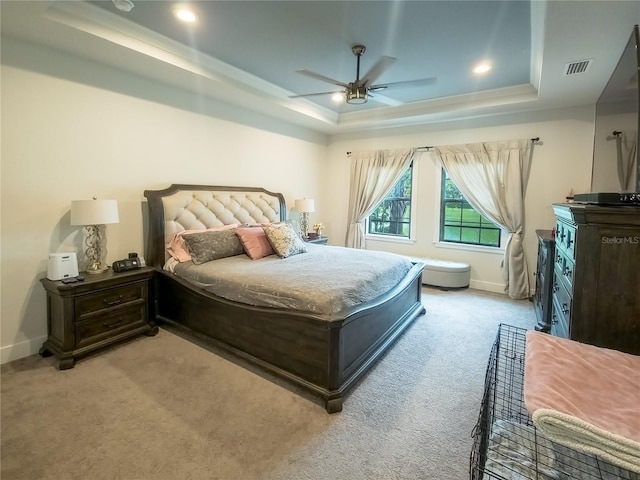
[207, 246]
[284, 240]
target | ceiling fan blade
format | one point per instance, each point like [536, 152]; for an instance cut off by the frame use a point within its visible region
[317, 76]
[315, 94]
[409, 83]
[377, 70]
[384, 99]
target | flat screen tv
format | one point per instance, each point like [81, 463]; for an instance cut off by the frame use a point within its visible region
[616, 157]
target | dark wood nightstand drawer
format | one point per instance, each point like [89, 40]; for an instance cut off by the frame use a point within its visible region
[113, 297]
[119, 320]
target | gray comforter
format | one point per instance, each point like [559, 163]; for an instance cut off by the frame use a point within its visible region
[325, 280]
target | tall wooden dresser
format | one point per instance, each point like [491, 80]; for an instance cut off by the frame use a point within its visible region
[544, 279]
[596, 289]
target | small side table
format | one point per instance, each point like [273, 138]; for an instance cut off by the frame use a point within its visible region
[318, 240]
[101, 310]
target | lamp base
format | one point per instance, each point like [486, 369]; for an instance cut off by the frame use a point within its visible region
[304, 225]
[95, 269]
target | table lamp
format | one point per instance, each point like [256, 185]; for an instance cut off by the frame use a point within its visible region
[304, 206]
[92, 214]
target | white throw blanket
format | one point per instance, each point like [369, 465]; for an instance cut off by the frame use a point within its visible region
[575, 433]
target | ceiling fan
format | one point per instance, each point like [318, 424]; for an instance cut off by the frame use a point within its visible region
[359, 91]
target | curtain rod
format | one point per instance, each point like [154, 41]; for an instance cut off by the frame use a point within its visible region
[429, 148]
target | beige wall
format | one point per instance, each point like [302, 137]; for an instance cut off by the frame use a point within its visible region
[72, 129]
[63, 140]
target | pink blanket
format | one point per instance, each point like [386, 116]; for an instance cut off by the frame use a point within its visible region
[584, 397]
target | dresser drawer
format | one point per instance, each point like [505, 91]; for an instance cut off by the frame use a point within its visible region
[565, 270]
[566, 238]
[561, 310]
[558, 328]
[542, 254]
[113, 297]
[110, 324]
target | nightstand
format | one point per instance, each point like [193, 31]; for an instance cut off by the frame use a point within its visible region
[318, 240]
[103, 309]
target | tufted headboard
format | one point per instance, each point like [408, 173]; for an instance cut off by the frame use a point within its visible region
[186, 207]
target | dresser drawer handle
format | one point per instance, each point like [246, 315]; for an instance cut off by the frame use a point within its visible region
[555, 287]
[554, 319]
[567, 272]
[569, 242]
[113, 300]
[565, 308]
[112, 325]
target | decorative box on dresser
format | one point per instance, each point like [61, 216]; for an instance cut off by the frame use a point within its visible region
[103, 309]
[544, 279]
[596, 289]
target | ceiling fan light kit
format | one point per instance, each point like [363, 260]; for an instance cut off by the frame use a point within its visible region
[356, 95]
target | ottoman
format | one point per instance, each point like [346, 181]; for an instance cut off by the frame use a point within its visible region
[445, 274]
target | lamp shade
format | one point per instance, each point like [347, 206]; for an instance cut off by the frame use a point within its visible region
[94, 212]
[305, 205]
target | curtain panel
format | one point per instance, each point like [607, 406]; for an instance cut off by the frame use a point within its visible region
[626, 153]
[493, 178]
[373, 175]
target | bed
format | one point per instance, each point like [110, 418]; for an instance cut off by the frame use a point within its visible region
[323, 352]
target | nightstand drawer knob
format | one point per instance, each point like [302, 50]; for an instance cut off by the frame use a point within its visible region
[113, 301]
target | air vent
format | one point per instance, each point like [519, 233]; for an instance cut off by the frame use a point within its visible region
[580, 66]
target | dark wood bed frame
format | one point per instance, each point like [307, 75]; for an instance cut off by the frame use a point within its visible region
[323, 355]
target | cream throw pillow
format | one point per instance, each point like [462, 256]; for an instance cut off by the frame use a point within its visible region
[285, 240]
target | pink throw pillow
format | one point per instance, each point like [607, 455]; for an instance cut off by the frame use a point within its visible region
[254, 242]
[177, 247]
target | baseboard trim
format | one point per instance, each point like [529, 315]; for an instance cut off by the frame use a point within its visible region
[487, 286]
[493, 287]
[19, 350]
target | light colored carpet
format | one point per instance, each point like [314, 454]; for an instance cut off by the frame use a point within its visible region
[166, 408]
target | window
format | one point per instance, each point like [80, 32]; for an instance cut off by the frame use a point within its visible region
[460, 222]
[392, 217]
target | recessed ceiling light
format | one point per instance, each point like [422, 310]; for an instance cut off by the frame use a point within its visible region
[185, 15]
[482, 68]
[123, 5]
